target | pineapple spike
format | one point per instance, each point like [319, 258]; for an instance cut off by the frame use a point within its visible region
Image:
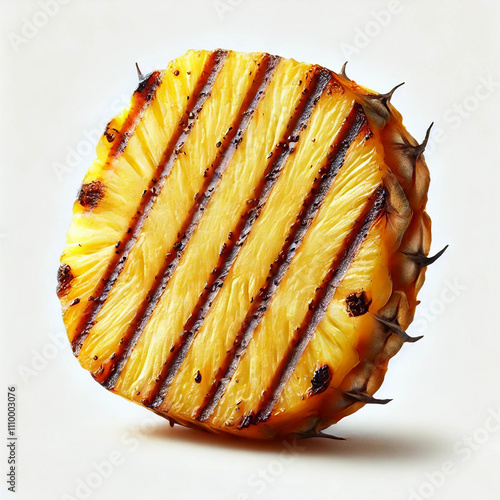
[423, 261]
[416, 151]
[313, 433]
[342, 71]
[396, 329]
[363, 397]
[320, 434]
[139, 73]
[385, 98]
[419, 150]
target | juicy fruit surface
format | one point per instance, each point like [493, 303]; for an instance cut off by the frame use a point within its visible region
[243, 252]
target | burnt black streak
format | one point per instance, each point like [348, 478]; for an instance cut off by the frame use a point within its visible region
[246, 421]
[194, 107]
[90, 194]
[357, 304]
[213, 174]
[323, 297]
[310, 207]
[321, 380]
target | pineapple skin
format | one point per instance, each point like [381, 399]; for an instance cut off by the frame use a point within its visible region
[108, 231]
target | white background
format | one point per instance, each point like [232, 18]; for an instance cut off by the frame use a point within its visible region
[63, 79]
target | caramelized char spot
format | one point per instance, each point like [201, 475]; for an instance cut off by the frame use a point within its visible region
[111, 133]
[64, 277]
[90, 194]
[357, 304]
[321, 380]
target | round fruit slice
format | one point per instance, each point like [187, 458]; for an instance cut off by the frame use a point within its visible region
[246, 250]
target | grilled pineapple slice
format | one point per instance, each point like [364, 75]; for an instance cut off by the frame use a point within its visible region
[246, 250]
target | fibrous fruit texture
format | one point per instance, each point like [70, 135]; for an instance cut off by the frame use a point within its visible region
[246, 250]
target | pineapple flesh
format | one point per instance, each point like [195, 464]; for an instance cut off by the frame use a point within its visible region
[246, 250]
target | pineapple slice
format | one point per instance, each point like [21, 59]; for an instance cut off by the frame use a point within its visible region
[247, 248]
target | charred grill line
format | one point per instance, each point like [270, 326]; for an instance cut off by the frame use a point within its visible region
[322, 299]
[298, 122]
[204, 87]
[212, 178]
[312, 204]
[144, 94]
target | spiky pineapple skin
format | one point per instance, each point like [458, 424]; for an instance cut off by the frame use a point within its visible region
[108, 202]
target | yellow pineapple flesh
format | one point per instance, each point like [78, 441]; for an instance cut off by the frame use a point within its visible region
[247, 248]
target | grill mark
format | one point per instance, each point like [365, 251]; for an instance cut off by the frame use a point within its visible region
[193, 109]
[143, 95]
[319, 304]
[350, 129]
[298, 122]
[228, 146]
